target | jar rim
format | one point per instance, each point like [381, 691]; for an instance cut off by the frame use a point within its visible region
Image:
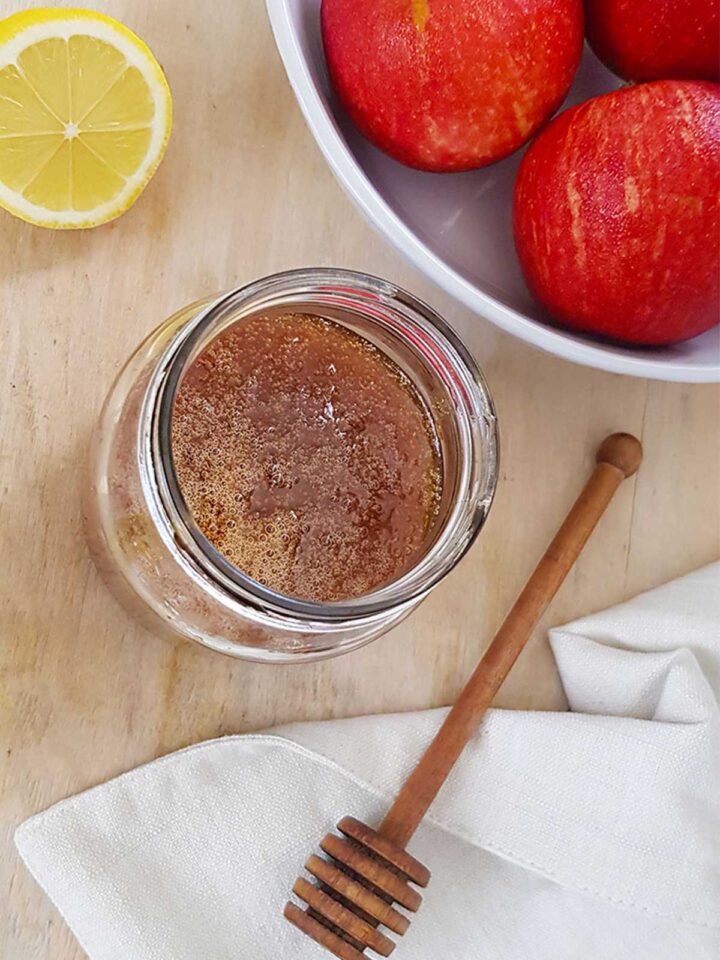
[315, 288]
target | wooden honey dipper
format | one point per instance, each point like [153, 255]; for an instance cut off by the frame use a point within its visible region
[368, 871]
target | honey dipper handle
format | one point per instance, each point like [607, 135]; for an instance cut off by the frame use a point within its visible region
[618, 457]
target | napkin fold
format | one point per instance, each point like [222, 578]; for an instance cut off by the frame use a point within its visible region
[592, 834]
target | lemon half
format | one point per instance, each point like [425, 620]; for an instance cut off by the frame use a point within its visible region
[85, 116]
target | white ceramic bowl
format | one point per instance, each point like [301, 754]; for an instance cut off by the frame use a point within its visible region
[456, 228]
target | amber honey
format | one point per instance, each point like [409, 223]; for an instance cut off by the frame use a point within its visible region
[306, 457]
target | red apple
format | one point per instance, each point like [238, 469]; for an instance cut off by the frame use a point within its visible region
[617, 213]
[451, 84]
[656, 39]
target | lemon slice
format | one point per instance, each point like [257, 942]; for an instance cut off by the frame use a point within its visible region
[85, 116]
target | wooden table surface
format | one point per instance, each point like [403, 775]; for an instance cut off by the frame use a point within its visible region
[85, 692]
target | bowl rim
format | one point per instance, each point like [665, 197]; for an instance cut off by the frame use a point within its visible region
[381, 216]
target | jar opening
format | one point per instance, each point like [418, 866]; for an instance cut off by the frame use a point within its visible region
[441, 371]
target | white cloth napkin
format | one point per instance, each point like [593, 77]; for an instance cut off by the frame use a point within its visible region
[591, 835]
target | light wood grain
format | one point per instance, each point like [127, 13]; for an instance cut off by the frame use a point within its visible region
[86, 693]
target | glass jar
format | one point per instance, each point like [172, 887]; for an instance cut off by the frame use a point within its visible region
[154, 556]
